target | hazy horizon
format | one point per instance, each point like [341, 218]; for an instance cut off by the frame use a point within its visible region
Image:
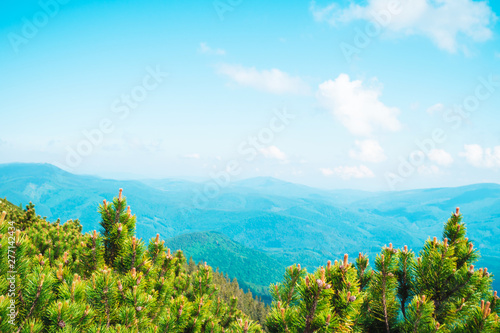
[125, 177]
[372, 95]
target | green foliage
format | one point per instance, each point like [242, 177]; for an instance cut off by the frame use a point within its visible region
[104, 282]
[328, 300]
[439, 291]
[58, 279]
[419, 316]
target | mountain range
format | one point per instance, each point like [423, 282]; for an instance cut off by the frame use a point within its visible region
[264, 222]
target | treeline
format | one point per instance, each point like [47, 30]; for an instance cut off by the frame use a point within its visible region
[60, 280]
[437, 290]
[55, 279]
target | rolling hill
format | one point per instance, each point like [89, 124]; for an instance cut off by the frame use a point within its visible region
[289, 223]
[254, 270]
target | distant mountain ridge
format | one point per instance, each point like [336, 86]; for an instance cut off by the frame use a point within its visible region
[290, 223]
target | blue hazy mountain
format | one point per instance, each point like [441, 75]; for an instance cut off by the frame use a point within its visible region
[289, 222]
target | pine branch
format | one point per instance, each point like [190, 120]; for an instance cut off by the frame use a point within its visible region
[439, 302]
[293, 283]
[108, 317]
[38, 293]
[404, 294]
[94, 251]
[384, 302]
[310, 315]
[386, 317]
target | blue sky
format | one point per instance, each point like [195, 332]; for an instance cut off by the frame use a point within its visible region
[380, 94]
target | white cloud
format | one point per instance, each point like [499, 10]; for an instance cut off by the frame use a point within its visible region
[205, 49]
[482, 157]
[358, 108]
[441, 157]
[194, 156]
[428, 170]
[348, 172]
[443, 21]
[435, 108]
[273, 152]
[368, 151]
[273, 80]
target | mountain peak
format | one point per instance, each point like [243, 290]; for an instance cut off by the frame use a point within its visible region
[30, 168]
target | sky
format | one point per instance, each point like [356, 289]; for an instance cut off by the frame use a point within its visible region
[374, 95]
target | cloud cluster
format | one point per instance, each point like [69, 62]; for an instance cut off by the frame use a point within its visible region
[357, 107]
[481, 157]
[443, 21]
[272, 81]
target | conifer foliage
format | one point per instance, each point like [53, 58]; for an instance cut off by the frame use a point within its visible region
[106, 281]
[438, 291]
[56, 279]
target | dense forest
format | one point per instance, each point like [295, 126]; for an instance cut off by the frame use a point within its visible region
[56, 279]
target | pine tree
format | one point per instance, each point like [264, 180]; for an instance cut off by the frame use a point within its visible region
[107, 281]
[325, 301]
[59, 280]
[381, 301]
[438, 291]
